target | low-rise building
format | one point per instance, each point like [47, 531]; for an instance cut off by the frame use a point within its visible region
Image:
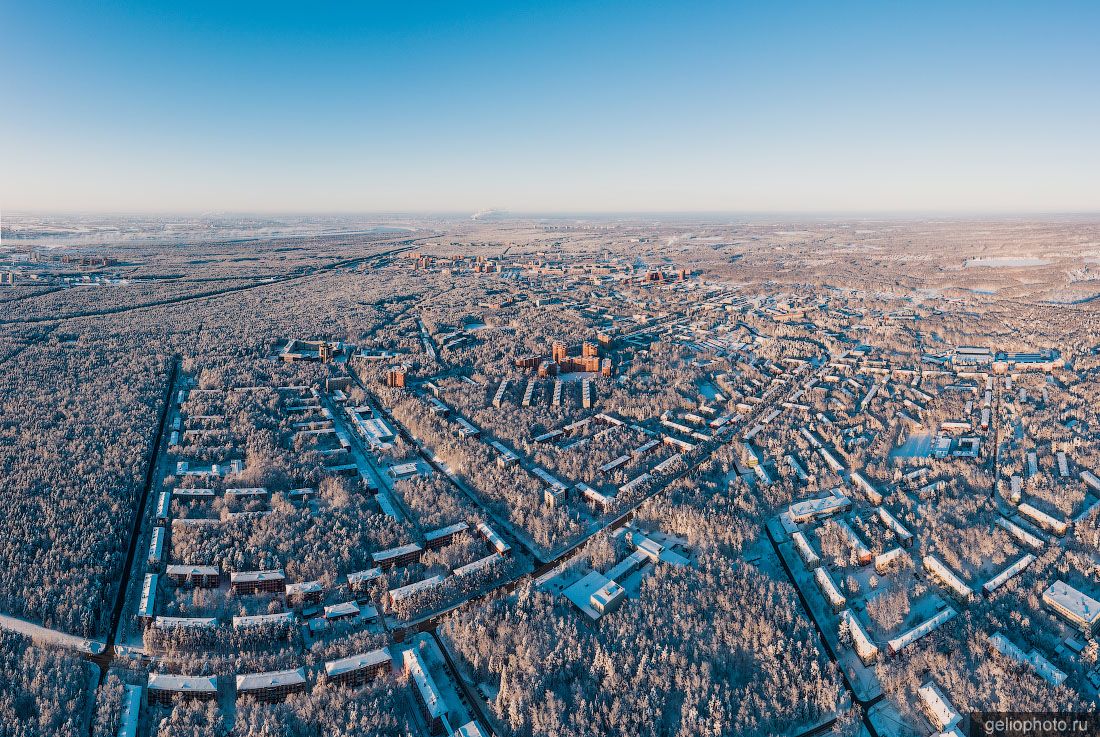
[343, 610]
[595, 585]
[859, 549]
[185, 623]
[865, 648]
[1042, 519]
[156, 548]
[403, 555]
[1034, 659]
[949, 578]
[811, 509]
[886, 560]
[254, 582]
[402, 593]
[188, 494]
[1081, 610]
[478, 565]
[937, 708]
[628, 565]
[166, 689]
[891, 523]
[444, 536]
[495, 541]
[205, 577]
[1004, 576]
[356, 670]
[636, 483]
[282, 619]
[899, 643]
[164, 507]
[602, 501]
[404, 471]
[361, 579]
[1020, 533]
[806, 551]
[829, 589]
[424, 688]
[861, 482]
[147, 606]
[305, 592]
[272, 686]
[607, 597]
[129, 718]
[470, 729]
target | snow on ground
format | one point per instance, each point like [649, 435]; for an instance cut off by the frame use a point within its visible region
[45, 636]
[917, 445]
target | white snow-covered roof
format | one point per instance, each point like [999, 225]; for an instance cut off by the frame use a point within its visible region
[829, 588]
[130, 714]
[257, 576]
[940, 711]
[812, 508]
[303, 587]
[195, 622]
[274, 679]
[429, 693]
[184, 570]
[1073, 604]
[949, 577]
[383, 555]
[261, 619]
[494, 539]
[147, 607]
[478, 565]
[1001, 578]
[357, 662]
[183, 684]
[403, 592]
[1041, 665]
[922, 629]
[359, 577]
[864, 646]
[470, 729]
[445, 531]
[343, 609]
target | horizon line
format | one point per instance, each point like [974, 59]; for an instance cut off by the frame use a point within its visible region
[501, 214]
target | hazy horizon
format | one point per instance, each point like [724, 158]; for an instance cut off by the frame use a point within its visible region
[702, 215]
[551, 109]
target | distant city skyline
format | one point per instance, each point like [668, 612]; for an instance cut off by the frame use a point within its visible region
[551, 108]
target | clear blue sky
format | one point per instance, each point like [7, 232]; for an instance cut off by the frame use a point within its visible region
[552, 106]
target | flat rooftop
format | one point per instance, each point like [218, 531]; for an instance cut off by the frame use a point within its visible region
[580, 593]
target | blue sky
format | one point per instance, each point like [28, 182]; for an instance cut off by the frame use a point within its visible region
[678, 106]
